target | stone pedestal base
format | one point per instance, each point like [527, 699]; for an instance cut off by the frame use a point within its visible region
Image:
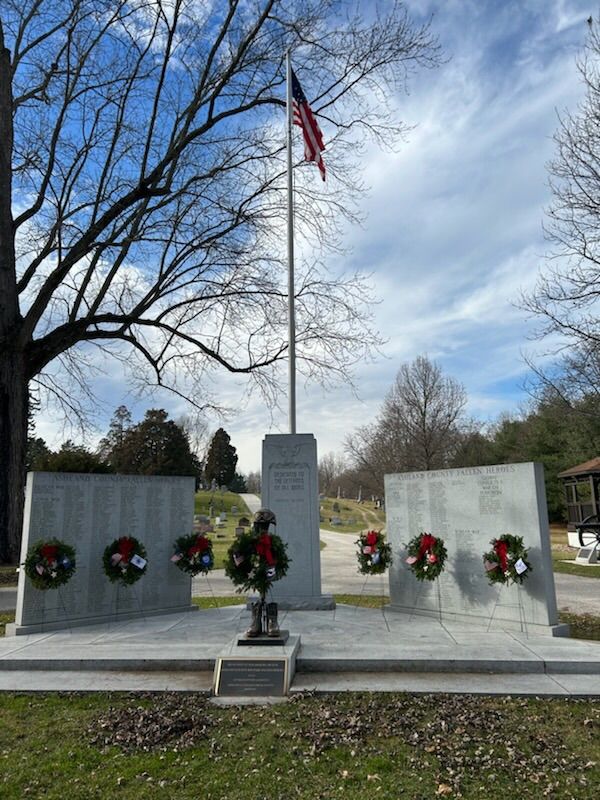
[255, 672]
[263, 640]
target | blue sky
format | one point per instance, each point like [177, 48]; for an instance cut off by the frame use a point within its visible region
[453, 225]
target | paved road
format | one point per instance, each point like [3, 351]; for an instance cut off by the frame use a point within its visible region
[340, 576]
[252, 501]
[8, 599]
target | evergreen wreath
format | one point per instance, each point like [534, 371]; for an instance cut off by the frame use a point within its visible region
[374, 554]
[122, 560]
[50, 564]
[193, 554]
[426, 556]
[507, 561]
[255, 560]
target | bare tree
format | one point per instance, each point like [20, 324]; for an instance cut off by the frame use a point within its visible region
[195, 427]
[142, 192]
[418, 428]
[565, 300]
[331, 466]
[253, 482]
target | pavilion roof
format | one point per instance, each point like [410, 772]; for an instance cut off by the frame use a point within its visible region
[588, 467]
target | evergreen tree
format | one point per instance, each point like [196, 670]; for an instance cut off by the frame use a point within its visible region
[111, 447]
[221, 460]
[238, 483]
[155, 446]
[73, 458]
[37, 453]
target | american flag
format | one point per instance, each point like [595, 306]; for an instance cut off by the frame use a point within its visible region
[304, 117]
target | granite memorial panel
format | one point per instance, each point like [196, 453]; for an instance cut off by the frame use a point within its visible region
[89, 512]
[467, 508]
[290, 490]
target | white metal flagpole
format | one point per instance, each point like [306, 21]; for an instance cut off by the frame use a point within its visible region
[290, 250]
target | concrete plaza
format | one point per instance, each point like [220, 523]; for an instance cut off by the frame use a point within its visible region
[349, 648]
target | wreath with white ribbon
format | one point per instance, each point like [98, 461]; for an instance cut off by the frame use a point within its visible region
[507, 561]
[125, 560]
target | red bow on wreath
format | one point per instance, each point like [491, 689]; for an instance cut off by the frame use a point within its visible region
[371, 538]
[125, 548]
[49, 552]
[200, 546]
[427, 543]
[501, 550]
[263, 549]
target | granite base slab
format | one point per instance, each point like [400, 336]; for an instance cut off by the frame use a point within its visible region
[447, 618]
[321, 602]
[264, 640]
[13, 629]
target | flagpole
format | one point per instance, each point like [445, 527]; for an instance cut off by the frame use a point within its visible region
[290, 253]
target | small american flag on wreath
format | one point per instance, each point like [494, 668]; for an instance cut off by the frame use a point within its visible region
[305, 119]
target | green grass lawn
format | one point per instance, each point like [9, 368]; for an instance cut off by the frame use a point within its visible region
[5, 618]
[178, 746]
[8, 576]
[562, 554]
[221, 501]
[359, 746]
[355, 516]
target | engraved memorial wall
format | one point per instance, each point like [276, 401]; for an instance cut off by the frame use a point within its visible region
[89, 512]
[467, 508]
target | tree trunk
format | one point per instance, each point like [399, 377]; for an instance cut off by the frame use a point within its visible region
[13, 378]
[13, 443]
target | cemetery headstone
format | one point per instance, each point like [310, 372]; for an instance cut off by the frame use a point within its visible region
[467, 508]
[89, 512]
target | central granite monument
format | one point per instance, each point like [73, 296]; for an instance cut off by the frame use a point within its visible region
[290, 489]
